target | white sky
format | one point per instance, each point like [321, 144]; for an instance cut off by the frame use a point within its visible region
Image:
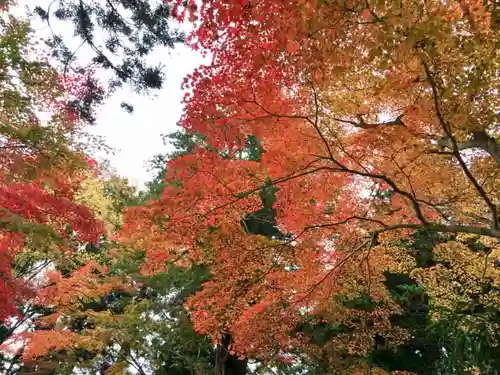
[136, 137]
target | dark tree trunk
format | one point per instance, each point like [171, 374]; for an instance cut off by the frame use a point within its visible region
[225, 363]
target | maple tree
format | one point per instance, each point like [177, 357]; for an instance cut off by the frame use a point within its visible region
[98, 324]
[130, 317]
[54, 204]
[66, 288]
[143, 327]
[43, 164]
[341, 187]
[376, 119]
[96, 329]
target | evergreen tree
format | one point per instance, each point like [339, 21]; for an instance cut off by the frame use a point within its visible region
[120, 35]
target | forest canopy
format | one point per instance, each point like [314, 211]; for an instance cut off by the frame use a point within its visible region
[331, 206]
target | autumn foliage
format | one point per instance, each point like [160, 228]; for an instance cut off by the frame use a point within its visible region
[41, 165]
[376, 119]
[377, 155]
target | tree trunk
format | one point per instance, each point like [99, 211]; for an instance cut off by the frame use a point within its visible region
[225, 363]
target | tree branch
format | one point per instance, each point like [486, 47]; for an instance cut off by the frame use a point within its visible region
[343, 169]
[366, 125]
[481, 231]
[432, 227]
[456, 150]
[479, 140]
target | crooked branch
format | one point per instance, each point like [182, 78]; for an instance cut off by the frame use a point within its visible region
[456, 150]
[479, 140]
[361, 123]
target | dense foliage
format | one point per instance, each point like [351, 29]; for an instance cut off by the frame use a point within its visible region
[376, 120]
[331, 206]
[41, 169]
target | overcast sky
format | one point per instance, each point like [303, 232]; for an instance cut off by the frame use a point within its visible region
[136, 137]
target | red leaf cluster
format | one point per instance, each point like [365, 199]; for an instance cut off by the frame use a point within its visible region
[39, 176]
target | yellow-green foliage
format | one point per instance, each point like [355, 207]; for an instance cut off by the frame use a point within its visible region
[464, 277]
